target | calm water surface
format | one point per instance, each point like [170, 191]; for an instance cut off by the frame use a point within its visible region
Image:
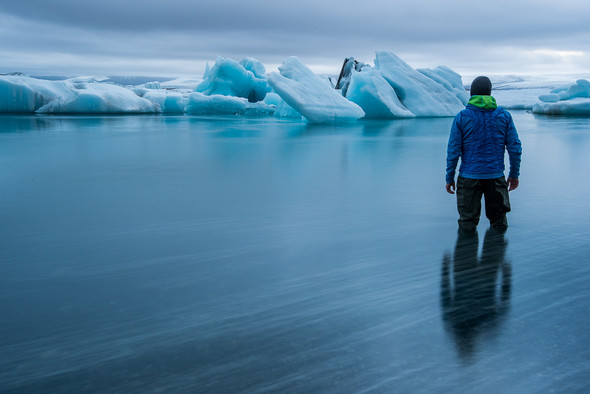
[180, 254]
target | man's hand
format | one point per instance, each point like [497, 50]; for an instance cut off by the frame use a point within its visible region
[451, 187]
[512, 183]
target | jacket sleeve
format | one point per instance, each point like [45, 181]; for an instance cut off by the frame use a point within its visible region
[514, 148]
[454, 148]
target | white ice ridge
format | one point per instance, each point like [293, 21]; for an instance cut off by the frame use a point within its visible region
[311, 96]
[22, 94]
[420, 94]
[573, 99]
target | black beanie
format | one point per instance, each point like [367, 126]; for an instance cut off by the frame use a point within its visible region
[481, 86]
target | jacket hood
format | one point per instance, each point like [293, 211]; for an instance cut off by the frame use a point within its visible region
[483, 102]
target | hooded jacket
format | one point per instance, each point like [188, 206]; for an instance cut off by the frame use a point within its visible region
[479, 136]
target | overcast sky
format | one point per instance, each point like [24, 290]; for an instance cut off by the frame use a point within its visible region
[178, 37]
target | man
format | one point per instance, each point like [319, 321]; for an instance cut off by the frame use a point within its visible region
[480, 135]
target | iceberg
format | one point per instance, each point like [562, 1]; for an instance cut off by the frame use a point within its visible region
[311, 96]
[580, 89]
[283, 110]
[375, 96]
[99, 98]
[349, 65]
[573, 99]
[420, 94]
[168, 102]
[449, 79]
[573, 107]
[25, 94]
[217, 104]
[254, 66]
[230, 78]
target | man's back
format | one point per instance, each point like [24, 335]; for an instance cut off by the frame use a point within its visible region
[480, 135]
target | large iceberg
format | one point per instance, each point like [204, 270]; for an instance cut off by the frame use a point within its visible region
[246, 79]
[375, 96]
[449, 79]
[19, 93]
[573, 99]
[24, 94]
[420, 94]
[99, 98]
[311, 96]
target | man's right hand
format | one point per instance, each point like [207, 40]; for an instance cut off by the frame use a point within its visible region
[451, 187]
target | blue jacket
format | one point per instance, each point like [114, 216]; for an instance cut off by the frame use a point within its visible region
[479, 136]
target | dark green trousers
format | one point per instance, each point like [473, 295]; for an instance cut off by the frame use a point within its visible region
[497, 203]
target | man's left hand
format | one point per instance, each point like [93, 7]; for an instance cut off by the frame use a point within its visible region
[512, 183]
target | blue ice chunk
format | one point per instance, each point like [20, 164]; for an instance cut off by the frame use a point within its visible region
[230, 78]
[375, 96]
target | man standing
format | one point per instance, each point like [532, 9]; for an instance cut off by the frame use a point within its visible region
[480, 135]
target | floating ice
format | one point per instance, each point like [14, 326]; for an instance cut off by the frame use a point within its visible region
[571, 99]
[375, 96]
[580, 89]
[311, 96]
[24, 94]
[283, 110]
[254, 66]
[181, 83]
[573, 107]
[99, 98]
[349, 66]
[449, 79]
[420, 94]
[230, 78]
[217, 104]
[169, 102]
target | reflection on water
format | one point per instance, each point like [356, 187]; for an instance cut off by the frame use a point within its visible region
[475, 291]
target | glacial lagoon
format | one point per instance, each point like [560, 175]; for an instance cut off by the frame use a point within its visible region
[221, 254]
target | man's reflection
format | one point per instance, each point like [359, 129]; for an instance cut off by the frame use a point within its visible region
[476, 298]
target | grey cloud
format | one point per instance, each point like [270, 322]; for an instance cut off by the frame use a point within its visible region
[457, 33]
